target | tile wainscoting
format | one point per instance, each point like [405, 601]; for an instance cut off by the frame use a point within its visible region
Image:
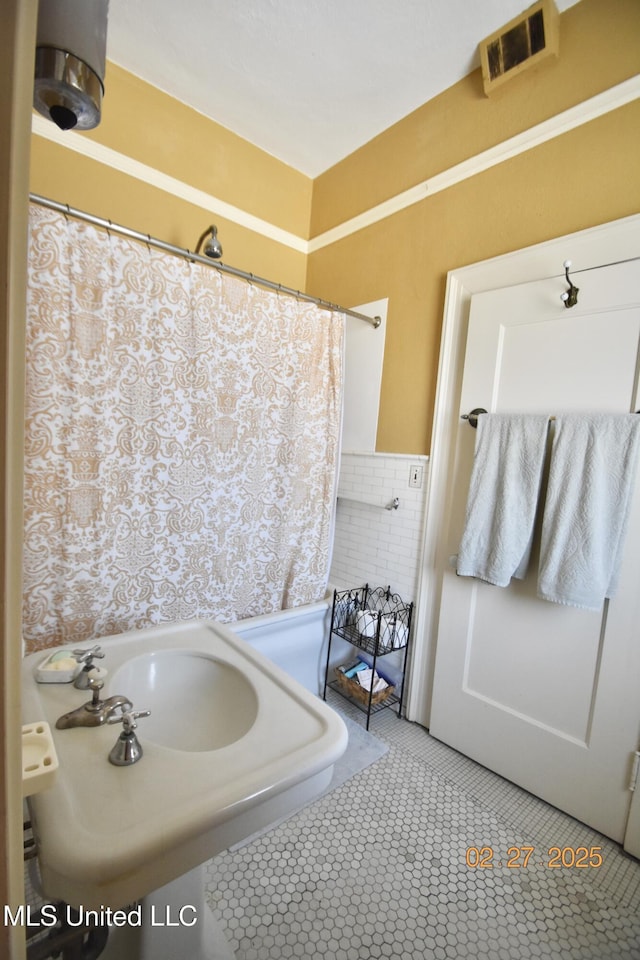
[372, 544]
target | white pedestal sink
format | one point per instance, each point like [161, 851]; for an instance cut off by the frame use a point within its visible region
[176, 922]
[232, 743]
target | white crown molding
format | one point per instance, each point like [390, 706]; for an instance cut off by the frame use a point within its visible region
[591, 109]
[584, 112]
[162, 181]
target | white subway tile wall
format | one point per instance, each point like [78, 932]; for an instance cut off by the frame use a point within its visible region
[372, 544]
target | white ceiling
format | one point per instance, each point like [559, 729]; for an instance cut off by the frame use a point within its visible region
[309, 81]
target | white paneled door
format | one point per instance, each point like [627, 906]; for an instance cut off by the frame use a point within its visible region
[544, 694]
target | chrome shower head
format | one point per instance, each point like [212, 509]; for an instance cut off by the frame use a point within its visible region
[212, 247]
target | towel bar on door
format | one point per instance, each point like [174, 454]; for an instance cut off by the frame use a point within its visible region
[472, 417]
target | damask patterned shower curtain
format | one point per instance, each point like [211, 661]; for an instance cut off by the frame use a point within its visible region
[182, 437]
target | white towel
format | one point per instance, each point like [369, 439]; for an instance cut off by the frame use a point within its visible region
[591, 478]
[503, 496]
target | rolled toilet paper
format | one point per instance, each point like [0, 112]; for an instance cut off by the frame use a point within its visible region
[367, 623]
[393, 632]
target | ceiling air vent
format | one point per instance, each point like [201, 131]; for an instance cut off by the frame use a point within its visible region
[520, 44]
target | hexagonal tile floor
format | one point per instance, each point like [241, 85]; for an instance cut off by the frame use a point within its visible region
[426, 855]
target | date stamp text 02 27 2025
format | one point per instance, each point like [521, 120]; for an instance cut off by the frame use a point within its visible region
[519, 857]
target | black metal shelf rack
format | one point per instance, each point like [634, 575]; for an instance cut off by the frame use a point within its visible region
[377, 621]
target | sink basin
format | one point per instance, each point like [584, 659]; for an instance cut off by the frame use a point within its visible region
[219, 707]
[232, 744]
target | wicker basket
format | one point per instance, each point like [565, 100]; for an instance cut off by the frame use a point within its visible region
[354, 689]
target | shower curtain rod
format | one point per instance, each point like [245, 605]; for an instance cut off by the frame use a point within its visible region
[189, 255]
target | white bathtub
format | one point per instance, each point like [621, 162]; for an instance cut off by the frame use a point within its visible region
[296, 640]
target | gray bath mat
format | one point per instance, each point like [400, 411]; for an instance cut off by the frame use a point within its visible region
[362, 750]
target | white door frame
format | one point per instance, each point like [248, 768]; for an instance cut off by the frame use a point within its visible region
[604, 244]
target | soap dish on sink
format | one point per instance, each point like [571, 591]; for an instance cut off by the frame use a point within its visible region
[59, 667]
[39, 758]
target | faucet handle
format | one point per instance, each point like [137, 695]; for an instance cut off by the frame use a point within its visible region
[128, 719]
[127, 749]
[86, 658]
[83, 656]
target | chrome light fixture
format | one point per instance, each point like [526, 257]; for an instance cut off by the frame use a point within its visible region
[212, 247]
[71, 45]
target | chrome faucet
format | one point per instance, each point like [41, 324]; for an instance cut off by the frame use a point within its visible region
[86, 658]
[127, 749]
[96, 711]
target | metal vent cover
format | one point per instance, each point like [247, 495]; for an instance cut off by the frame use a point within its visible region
[524, 41]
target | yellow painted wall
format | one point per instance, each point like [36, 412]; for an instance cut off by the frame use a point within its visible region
[150, 127]
[144, 123]
[599, 47]
[582, 178]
